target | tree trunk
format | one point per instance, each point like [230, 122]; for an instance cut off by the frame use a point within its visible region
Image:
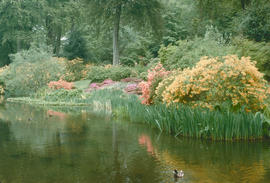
[116, 35]
[18, 45]
[243, 4]
[58, 41]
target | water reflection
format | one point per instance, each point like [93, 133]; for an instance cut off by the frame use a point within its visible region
[75, 145]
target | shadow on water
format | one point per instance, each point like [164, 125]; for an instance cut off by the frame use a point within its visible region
[79, 145]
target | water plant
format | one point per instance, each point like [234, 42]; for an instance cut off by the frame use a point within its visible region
[183, 120]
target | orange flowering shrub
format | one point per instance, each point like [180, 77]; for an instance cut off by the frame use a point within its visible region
[214, 81]
[60, 84]
[75, 69]
[156, 75]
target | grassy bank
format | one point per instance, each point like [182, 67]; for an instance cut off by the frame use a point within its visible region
[178, 120]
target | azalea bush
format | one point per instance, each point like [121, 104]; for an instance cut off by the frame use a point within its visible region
[61, 84]
[214, 81]
[154, 77]
[163, 85]
[74, 69]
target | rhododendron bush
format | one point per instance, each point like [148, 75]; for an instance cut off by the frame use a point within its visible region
[216, 80]
[156, 75]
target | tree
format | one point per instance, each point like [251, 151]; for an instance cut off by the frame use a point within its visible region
[76, 45]
[255, 21]
[141, 11]
[17, 22]
[26, 21]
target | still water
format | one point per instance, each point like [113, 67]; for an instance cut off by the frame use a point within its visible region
[45, 145]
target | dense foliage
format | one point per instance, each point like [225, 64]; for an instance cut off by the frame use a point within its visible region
[100, 73]
[29, 71]
[186, 53]
[179, 47]
[210, 84]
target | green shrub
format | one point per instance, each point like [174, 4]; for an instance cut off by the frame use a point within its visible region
[26, 78]
[254, 22]
[259, 51]
[25, 75]
[187, 53]
[33, 54]
[100, 73]
[60, 95]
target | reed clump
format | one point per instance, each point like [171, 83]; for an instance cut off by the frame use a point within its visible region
[183, 120]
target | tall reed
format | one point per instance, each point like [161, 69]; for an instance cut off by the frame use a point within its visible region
[192, 122]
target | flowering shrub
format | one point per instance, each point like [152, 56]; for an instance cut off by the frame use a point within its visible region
[133, 89]
[156, 75]
[2, 82]
[164, 84]
[2, 90]
[214, 81]
[97, 86]
[75, 69]
[60, 84]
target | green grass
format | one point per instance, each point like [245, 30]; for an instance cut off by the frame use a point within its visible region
[82, 85]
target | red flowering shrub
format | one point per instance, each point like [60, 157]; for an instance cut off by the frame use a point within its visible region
[60, 84]
[156, 75]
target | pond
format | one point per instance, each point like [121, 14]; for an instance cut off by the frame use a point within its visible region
[78, 145]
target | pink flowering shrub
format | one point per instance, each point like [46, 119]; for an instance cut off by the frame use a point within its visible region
[154, 77]
[60, 84]
[97, 86]
[133, 89]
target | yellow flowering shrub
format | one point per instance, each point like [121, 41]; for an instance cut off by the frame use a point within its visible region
[2, 84]
[214, 81]
[164, 84]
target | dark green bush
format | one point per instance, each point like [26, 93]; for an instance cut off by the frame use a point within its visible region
[259, 51]
[254, 22]
[100, 73]
[187, 53]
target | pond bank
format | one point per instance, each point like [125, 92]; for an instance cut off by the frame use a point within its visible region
[78, 146]
[177, 120]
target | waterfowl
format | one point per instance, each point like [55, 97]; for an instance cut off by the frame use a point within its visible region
[179, 174]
